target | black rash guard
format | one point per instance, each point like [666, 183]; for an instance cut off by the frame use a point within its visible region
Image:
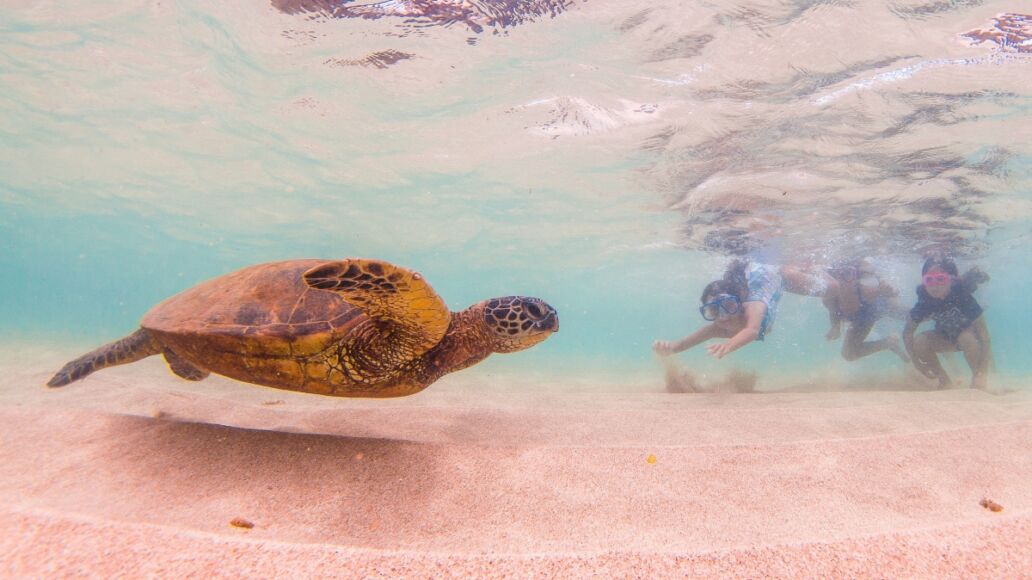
[952, 314]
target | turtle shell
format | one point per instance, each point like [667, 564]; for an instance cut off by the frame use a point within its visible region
[260, 322]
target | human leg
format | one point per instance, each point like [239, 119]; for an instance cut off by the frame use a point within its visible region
[856, 346]
[853, 346]
[976, 355]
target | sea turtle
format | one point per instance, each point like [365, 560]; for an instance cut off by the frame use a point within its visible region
[346, 328]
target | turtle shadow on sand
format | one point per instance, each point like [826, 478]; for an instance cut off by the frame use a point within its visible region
[348, 489]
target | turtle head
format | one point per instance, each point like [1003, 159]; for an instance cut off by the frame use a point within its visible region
[498, 325]
[514, 323]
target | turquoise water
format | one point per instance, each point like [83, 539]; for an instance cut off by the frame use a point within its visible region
[608, 158]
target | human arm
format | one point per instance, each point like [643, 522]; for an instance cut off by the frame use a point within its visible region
[908, 336]
[754, 313]
[666, 347]
[914, 318]
[981, 330]
[928, 367]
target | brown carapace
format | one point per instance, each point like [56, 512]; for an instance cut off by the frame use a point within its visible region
[348, 328]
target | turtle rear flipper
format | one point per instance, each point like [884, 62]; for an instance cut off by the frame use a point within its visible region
[136, 346]
[418, 317]
[184, 369]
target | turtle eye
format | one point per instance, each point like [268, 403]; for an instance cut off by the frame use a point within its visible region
[533, 309]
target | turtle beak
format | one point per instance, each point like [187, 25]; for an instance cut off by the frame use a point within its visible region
[549, 322]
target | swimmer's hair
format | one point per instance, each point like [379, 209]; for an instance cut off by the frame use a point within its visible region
[733, 282]
[945, 264]
[847, 263]
[970, 281]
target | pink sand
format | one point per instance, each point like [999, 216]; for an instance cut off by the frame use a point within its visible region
[134, 472]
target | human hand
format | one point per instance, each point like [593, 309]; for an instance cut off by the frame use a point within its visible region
[719, 350]
[663, 347]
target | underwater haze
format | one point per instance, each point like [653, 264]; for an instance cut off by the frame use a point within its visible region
[609, 157]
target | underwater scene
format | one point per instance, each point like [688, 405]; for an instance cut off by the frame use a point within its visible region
[531, 288]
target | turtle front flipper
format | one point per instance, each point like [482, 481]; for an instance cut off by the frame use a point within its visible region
[416, 316]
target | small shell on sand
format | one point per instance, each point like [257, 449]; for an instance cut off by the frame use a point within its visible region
[990, 505]
[241, 523]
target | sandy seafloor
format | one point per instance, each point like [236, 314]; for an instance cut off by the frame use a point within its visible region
[134, 472]
[603, 159]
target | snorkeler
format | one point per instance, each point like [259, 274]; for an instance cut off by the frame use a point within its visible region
[946, 298]
[859, 296]
[741, 307]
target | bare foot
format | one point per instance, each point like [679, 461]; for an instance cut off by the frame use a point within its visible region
[894, 346]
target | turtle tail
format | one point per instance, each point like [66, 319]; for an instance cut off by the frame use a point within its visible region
[136, 346]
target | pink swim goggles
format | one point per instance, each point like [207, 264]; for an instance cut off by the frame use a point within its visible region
[936, 279]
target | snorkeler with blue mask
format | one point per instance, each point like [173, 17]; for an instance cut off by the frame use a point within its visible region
[739, 307]
[722, 307]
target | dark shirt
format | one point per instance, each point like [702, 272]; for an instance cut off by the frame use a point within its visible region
[951, 314]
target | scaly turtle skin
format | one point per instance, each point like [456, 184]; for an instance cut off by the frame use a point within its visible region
[347, 328]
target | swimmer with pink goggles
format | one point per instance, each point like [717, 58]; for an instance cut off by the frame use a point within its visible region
[937, 279]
